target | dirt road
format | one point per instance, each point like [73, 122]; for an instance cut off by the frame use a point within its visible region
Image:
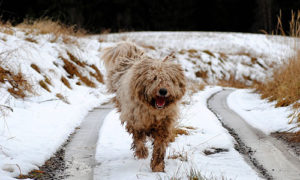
[270, 157]
[80, 152]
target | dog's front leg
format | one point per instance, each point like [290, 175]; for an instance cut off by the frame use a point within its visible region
[138, 145]
[159, 150]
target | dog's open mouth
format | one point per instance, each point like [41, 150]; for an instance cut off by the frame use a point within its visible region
[160, 102]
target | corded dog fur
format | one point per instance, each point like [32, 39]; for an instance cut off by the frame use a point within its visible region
[147, 96]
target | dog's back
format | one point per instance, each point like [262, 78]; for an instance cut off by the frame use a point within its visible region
[118, 60]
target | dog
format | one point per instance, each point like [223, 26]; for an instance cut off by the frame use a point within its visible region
[148, 92]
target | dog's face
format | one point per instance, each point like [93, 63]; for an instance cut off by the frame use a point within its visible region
[158, 83]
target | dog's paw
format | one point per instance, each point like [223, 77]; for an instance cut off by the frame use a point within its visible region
[141, 153]
[158, 167]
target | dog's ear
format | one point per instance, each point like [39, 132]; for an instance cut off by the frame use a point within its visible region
[169, 57]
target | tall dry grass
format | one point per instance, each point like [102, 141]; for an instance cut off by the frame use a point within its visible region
[47, 26]
[284, 86]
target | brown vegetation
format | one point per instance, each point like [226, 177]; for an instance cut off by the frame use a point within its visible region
[20, 87]
[97, 74]
[63, 98]
[72, 70]
[29, 39]
[6, 27]
[76, 60]
[201, 74]
[284, 86]
[232, 82]
[65, 82]
[44, 85]
[36, 68]
[48, 26]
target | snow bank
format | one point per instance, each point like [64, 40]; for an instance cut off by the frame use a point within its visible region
[32, 129]
[260, 113]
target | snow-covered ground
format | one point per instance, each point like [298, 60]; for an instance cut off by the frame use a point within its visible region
[32, 129]
[262, 114]
[188, 152]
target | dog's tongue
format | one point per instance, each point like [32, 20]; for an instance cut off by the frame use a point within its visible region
[160, 101]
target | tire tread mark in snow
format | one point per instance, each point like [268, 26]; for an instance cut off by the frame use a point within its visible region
[240, 146]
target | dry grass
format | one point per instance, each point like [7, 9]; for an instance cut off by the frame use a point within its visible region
[209, 53]
[20, 87]
[201, 74]
[36, 68]
[62, 98]
[65, 82]
[67, 40]
[44, 85]
[178, 131]
[180, 156]
[72, 70]
[76, 60]
[29, 39]
[6, 27]
[47, 80]
[232, 82]
[284, 86]
[49, 26]
[97, 74]
[191, 51]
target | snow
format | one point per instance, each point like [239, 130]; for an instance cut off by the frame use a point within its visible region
[260, 113]
[34, 128]
[116, 160]
[41, 123]
[219, 55]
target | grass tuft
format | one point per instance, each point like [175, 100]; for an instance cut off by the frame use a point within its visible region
[36, 68]
[65, 82]
[192, 51]
[178, 131]
[20, 87]
[209, 53]
[72, 70]
[75, 59]
[44, 85]
[49, 26]
[47, 80]
[201, 74]
[29, 39]
[97, 74]
[62, 98]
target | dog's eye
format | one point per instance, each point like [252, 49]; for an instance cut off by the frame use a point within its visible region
[155, 78]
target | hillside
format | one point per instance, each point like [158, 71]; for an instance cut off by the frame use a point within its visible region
[49, 81]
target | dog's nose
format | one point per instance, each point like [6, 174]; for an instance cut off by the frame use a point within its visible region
[163, 91]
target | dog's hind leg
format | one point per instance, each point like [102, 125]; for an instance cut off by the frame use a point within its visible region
[138, 145]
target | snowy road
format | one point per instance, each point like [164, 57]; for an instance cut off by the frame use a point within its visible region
[266, 155]
[273, 155]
